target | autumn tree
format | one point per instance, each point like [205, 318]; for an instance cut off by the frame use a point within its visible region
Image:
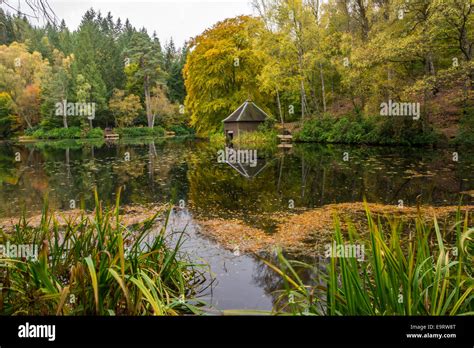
[221, 72]
[21, 75]
[124, 108]
[161, 108]
[8, 120]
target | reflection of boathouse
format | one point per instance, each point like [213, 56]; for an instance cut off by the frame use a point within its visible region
[244, 161]
[248, 171]
[247, 118]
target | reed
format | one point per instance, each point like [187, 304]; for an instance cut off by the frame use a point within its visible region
[95, 265]
[415, 275]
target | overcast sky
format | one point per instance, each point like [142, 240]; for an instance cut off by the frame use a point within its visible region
[180, 19]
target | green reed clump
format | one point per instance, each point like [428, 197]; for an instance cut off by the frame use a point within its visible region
[417, 275]
[97, 266]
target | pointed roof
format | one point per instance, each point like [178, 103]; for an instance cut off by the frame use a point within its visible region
[246, 170]
[247, 112]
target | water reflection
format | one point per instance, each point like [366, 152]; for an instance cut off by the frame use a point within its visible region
[163, 171]
[189, 170]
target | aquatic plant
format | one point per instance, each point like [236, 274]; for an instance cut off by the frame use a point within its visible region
[418, 274]
[95, 265]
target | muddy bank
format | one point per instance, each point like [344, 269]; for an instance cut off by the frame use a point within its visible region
[309, 231]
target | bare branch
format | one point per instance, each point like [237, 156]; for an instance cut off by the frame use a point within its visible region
[36, 9]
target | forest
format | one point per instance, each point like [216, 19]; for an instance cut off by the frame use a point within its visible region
[322, 67]
[129, 76]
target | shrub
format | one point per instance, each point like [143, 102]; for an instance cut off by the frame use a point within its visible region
[369, 130]
[141, 132]
[39, 133]
[181, 130]
[217, 139]
[466, 129]
[95, 133]
[58, 133]
[258, 139]
[31, 131]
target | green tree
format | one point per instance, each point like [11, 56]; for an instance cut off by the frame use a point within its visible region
[145, 53]
[56, 88]
[83, 95]
[87, 60]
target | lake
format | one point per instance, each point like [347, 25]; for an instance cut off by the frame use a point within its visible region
[190, 174]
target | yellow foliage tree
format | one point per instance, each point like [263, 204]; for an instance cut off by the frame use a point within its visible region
[221, 72]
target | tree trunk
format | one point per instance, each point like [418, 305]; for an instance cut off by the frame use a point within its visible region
[322, 86]
[64, 111]
[28, 123]
[363, 20]
[149, 115]
[279, 107]
[297, 26]
[303, 99]
[68, 165]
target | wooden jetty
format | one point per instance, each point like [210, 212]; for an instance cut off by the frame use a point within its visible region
[110, 135]
[285, 138]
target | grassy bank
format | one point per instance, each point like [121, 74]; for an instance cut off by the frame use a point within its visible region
[97, 266]
[96, 133]
[427, 272]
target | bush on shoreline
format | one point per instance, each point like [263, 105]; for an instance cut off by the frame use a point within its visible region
[156, 131]
[58, 133]
[181, 130]
[358, 130]
[95, 133]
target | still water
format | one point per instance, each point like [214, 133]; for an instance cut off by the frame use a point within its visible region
[189, 172]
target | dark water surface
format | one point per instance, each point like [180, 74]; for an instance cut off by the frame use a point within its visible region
[188, 171]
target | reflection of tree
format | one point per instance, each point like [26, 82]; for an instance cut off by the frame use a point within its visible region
[217, 187]
[71, 170]
[151, 159]
[315, 175]
[380, 174]
[164, 171]
[9, 173]
[129, 165]
[17, 188]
